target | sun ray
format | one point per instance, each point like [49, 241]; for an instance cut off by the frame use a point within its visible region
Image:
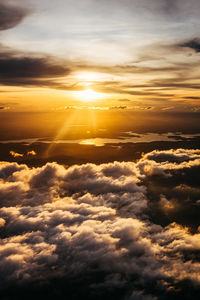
[63, 131]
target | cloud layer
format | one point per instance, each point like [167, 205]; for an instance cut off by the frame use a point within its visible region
[110, 231]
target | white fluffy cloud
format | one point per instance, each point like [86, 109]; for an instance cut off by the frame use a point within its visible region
[94, 225]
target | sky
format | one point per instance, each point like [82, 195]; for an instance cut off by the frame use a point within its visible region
[99, 149]
[138, 54]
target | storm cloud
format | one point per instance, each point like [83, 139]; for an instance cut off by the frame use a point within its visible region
[94, 230]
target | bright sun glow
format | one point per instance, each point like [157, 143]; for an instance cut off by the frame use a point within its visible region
[88, 95]
[90, 77]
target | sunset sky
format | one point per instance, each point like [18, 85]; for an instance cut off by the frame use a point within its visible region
[99, 149]
[139, 54]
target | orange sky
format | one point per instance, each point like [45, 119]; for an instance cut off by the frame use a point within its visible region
[134, 55]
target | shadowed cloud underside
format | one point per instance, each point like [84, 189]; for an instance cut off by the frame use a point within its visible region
[108, 229]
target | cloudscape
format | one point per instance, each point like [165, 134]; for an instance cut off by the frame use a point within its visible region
[99, 149]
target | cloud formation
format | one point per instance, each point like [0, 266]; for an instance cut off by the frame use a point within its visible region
[101, 231]
[159, 74]
[193, 44]
[11, 14]
[27, 69]
[18, 68]
[18, 155]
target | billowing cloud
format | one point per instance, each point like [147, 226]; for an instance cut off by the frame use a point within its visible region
[101, 231]
[178, 156]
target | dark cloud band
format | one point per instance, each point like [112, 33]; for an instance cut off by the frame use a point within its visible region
[26, 69]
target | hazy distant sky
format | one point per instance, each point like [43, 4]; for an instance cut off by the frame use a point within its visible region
[144, 52]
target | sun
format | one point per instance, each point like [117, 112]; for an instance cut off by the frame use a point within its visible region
[88, 95]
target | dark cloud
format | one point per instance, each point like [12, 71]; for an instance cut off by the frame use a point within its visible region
[192, 98]
[118, 107]
[26, 69]
[124, 100]
[192, 44]
[11, 14]
[110, 231]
